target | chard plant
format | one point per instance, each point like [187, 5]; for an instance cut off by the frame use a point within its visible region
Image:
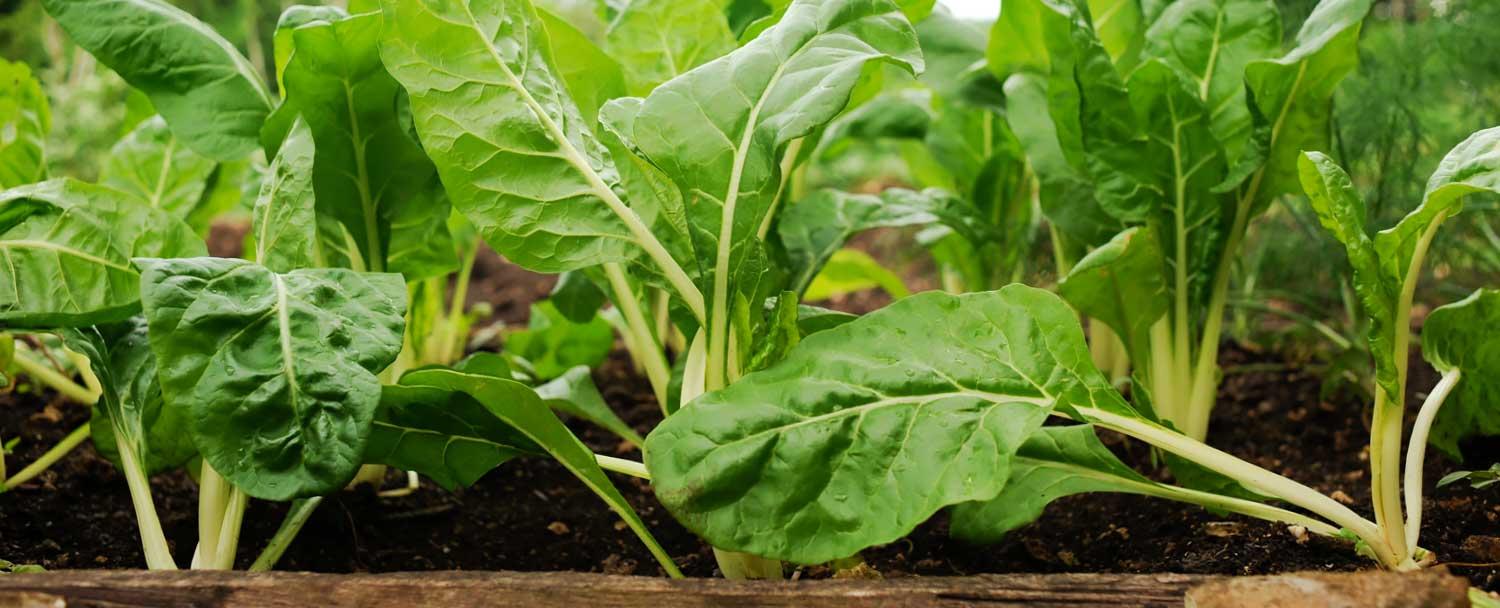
[1183, 122]
[865, 430]
[669, 198]
[283, 376]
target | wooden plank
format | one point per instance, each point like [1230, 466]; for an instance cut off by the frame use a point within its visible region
[130, 589]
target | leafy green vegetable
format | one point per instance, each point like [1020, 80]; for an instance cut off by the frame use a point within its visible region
[1460, 336]
[130, 406]
[1477, 479]
[152, 165]
[277, 371]
[284, 219]
[207, 91]
[575, 394]
[657, 40]
[25, 119]
[1120, 284]
[851, 270]
[68, 248]
[444, 435]
[865, 430]
[554, 345]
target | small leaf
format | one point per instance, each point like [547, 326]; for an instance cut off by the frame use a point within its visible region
[575, 394]
[151, 164]
[554, 345]
[1121, 284]
[444, 435]
[284, 218]
[277, 371]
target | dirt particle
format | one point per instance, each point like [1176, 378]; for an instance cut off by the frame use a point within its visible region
[558, 528]
[1223, 529]
[1486, 548]
[1340, 496]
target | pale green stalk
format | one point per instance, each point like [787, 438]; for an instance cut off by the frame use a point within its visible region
[301, 510]
[646, 349]
[48, 459]
[153, 541]
[47, 376]
[1416, 453]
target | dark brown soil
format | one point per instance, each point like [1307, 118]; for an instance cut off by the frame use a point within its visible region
[533, 515]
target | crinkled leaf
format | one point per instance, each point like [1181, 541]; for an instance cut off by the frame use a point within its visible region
[514, 151]
[25, 122]
[657, 40]
[867, 429]
[276, 371]
[1465, 336]
[67, 248]
[151, 164]
[1342, 213]
[208, 92]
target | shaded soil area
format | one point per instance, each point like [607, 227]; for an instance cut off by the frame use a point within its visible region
[533, 515]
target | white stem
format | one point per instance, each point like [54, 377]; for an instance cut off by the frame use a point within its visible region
[622, 465]
[1416, 452]
[153, 541]
[213, 496]
[647, 350]
[229, 529]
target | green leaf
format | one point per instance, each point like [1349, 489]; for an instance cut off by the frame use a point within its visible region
[1211, 42]
[68, 247]
[447, 436]
[813, 319]
[207, 91]
[867, 429]
[553, 344]
[657, 40]
[524, 165]
[719, 131]
[277, 371]
[576, 296]
[851, 270]
[131, 400]
[1293, 94]
[284, 218]
[813, 229]
[575, 394]
[592, 77]
[292, 18]
[1471, 167]
[1342, 213]
[1122, 285]
[152, 165]
[1055, 462]
[780, 333]
[368, 175]
[521, 408]
[25, 121]
[1462, 336]
[1120, 24]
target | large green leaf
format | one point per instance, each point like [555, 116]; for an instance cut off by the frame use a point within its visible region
[130, 404]
[718, 131]
[513, 150]
[67, 248]
[1293, 94]
[368, 174]
[865, 430]
[284, 219]
[521, 409]
[657, 40]
[151, 164]
[25, 121]
[1055, 462]
[444, 435]
[592, 76]
[208, 92]
[277, 371]
[1463, 336]
[1211, 42]
[1121, 284]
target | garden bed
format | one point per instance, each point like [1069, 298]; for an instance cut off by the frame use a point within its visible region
[533, 515]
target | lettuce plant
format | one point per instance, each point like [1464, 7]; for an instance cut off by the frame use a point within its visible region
[865, 430]
[1182, 121]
